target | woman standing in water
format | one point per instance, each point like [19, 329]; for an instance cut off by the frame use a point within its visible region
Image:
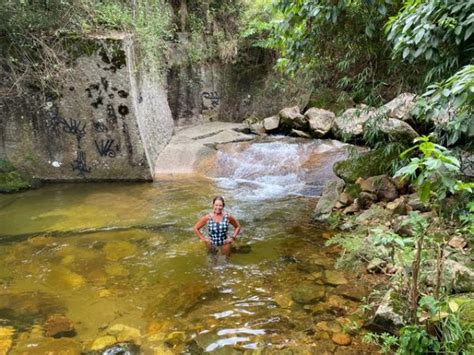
[217, 228]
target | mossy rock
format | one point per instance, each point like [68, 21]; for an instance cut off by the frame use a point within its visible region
[373, 163]
[6, 166]
[353, 190]
[14, 181]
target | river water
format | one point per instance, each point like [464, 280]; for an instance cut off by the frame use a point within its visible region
[121, 262]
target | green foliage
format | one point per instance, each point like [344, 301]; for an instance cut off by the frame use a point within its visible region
[450, 104]
[338, 42]
[356, 249]
[439, 31]
[393, 242]
[414, 339]
[434, 172]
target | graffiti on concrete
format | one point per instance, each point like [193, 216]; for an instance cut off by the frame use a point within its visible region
[111, 115]
[213, 96]
[71, 126]
[123, 110]
[75, 127]
[104, 148]
[80, 164]
[99, 127]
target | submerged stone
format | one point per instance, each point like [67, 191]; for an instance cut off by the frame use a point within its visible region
[103, 342]
[334, 277]
[58, 325]
[307, 293]
[341, 339]
[353, 292]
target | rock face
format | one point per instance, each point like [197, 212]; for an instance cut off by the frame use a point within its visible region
[395, 129]
[330, 196]
[190, 150]
[271, 123]
[387, 317]
[111, 119]
[203, 92]
[291, 117]
[456, 278]
[400, 107]
[351, 123]
[320, 121]
[108, 122]
[382, 186]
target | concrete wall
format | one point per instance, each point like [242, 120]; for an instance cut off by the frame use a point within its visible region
[230, 92]
[105, 124]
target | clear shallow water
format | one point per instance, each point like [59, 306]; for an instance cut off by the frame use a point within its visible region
[108, 255]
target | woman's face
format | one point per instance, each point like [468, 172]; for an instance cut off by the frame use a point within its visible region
[217, 207]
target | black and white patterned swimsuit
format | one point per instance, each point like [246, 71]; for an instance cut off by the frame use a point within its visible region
[218, 231]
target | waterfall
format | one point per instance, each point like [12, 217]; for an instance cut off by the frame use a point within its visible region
[274, 169]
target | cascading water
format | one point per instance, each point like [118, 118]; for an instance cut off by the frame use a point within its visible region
[275, 169]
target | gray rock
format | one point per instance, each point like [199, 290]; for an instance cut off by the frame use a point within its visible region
[320, 121]
[365, 200]
[271, 123]
[345, 199]
[374, 214]
[467, 163]
[398, 206]
[456, 278]
[351, 209]
[292, 118]
[330, 196]
[381, 185]
[401, 228]
[395, 129]
[389, 317]
[400, 107]
[351, 123]
[307, 293]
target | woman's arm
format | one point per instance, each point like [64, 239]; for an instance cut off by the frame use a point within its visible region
[236, 225]
[199, 224]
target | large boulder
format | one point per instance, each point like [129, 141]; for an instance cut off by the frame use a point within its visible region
[320, 121]
[350, 124]
[330, 196]
[371, 163]
[396, 130]
[400, 107]
[380, 185]
[292, 118]
[271, 123]
[456, 278]
[389, 316]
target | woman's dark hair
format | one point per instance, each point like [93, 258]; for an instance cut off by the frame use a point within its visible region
[220, 198]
